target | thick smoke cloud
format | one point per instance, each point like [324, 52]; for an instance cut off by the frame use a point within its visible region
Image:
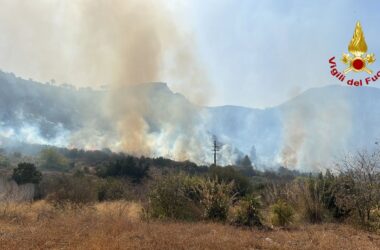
[123, 44]
[316, 130]
[95, 42]
[119, 43]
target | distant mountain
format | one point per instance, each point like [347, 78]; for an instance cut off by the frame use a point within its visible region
[28, 105]
[306, 132]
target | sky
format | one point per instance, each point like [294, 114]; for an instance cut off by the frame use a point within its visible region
[255, 53]
[262, 53]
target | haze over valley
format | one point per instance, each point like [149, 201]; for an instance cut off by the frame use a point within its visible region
[297, 134]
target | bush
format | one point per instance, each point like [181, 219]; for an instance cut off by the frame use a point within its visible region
[331, 185]
[190, 198]
[227, 174]
[26, 173]
[51, 159]
[4, 162]
[282, 213]
[358, 185]
[311, 196]
[112, 189]
[248, 212]
[374, 224]
[216, 198]
[175, 197]
[126, 166]
[63, 189]
[312, 193]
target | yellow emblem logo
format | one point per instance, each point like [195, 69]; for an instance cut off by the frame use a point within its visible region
[358, 60]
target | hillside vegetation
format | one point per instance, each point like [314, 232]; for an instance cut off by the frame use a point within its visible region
[101, 200]
[62, 115]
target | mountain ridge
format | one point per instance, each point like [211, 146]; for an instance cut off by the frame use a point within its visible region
[40, 113]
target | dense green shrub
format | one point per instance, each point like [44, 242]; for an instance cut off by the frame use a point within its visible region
[26, 173]
[125, 166]
[190, 198]
[282, 213]
[227, 174]
[247, 212]
[216, 198]
[175, 197]
[319, 198]
[330, 188]
[183, 166]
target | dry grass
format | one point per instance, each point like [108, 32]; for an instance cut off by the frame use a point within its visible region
[116, 225]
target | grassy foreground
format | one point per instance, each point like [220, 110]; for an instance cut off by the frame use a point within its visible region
[117, 225]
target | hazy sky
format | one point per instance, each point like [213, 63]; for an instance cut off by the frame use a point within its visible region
[255, 53]
[260, 53]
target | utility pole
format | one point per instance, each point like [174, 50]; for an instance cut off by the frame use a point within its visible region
[215, 149]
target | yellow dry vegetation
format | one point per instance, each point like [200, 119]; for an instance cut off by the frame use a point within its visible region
[117, 225]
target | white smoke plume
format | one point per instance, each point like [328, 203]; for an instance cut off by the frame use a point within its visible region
[315, 131]
[119, 43]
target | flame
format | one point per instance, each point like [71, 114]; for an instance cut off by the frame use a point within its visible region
[358, 45]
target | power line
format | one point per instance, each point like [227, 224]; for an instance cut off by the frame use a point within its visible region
[216, 148]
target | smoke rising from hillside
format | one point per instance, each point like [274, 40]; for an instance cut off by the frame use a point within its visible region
[315, 133]
[294, 136]
[120, 43]
[124, 43]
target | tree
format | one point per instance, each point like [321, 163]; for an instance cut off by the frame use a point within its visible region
[26, 173]
[126, 166]
[246, 162]
[359, 184]
[253, 154]
[53, 160]
[245, 166]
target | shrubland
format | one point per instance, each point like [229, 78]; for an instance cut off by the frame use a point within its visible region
[166, 191]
